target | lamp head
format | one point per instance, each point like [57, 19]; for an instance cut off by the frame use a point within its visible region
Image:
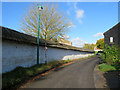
[40, 8]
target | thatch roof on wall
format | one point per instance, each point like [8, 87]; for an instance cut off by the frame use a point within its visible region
[9, 34]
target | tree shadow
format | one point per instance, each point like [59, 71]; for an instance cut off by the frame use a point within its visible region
[112, 79]
[41, 78]
[57, 69]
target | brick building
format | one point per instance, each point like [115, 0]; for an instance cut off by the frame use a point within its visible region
[112, 36]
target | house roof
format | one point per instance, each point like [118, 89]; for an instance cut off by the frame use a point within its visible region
[9, 34]
[21, 37]
[116, 26]
[97, 49]
[63, 40]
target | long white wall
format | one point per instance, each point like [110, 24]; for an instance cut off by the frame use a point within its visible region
[16, 54]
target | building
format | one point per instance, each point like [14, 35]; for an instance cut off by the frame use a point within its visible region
[97, 50]
[112, 36]
[64, 41]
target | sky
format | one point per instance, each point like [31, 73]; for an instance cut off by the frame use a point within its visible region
[89, 19]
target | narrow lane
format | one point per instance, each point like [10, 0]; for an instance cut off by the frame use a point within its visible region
[76, 75]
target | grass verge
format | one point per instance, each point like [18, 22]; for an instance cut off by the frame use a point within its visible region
[105, 67]
[21, 74]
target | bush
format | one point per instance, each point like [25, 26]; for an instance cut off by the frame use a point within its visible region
[10, 78]
[103, 57]
[111, 55]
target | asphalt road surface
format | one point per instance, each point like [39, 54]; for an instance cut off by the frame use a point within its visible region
[76, 75]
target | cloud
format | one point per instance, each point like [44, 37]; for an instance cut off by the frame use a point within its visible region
[80, 21]
[75, 5]
[71, 24]
[85, 42]
[79, 13]
[68, 12]
[77, 42]
[98, 34]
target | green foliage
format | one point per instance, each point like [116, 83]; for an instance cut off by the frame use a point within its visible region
[19, 74]
[89, 46]
[66, 61]
[53, 23]
[100, 43]
[29, 72]
[96, 52]
[105, 67]
[103, 57]
[111, 55]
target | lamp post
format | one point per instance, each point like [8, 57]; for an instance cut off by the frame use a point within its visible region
[39, 9]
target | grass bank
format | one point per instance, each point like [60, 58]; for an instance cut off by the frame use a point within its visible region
[21, 74]
[105, 67]
[110, 58]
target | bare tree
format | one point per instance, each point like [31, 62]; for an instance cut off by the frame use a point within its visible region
[53, 23]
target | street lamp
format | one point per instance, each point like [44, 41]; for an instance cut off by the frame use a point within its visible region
[39, 9]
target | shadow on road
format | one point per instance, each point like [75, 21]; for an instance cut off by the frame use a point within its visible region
[41, 78]
[112, 79]
[58, 69]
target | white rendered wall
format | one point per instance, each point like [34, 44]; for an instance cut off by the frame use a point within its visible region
[16, 54]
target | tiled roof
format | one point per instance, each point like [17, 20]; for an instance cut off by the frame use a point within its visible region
[9, 34]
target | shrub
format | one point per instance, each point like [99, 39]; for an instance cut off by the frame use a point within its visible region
[102, 57]
[29, 73]
[111, 55]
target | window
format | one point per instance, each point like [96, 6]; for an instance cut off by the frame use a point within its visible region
[111, 39]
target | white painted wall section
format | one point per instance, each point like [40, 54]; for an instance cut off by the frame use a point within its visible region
[16, 54]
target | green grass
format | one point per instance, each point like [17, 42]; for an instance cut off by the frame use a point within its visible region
[20, 74]
[105, 67]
